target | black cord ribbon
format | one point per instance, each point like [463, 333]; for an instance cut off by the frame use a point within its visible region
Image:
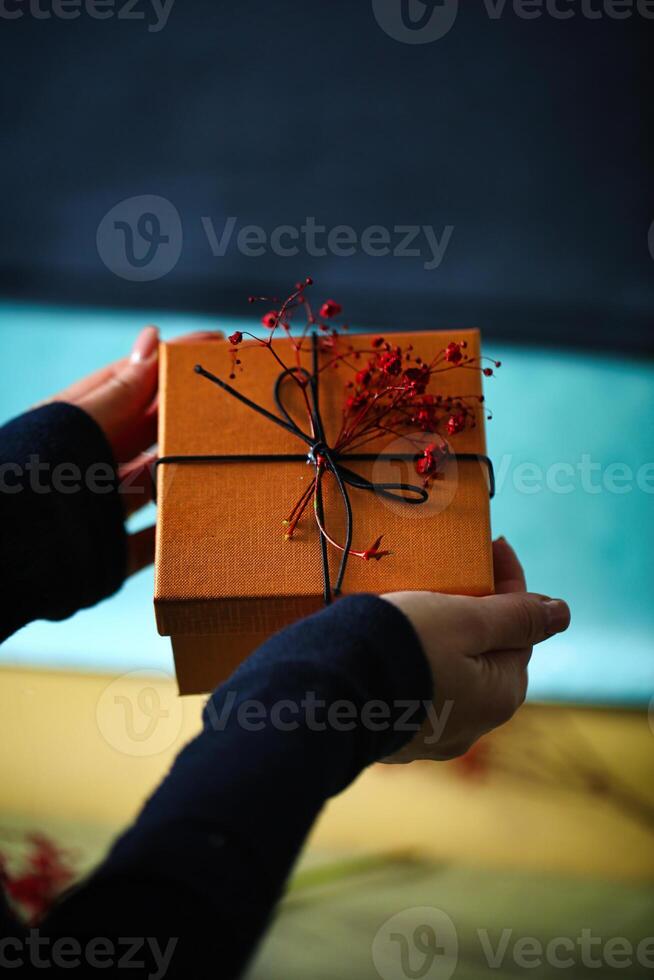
[323, 457]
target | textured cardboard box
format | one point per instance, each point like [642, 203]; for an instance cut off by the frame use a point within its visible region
[225, 575]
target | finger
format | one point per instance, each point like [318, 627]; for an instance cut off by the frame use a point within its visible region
[140, 550]
[136, 484]
[77, 389]
[197, 337]
[509, 574]
[83, 386]
[518, 620]
[119, 405]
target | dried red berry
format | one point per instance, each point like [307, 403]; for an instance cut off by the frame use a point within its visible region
[270, 320]
[391, 362]
[235, 338]
[426, 419]
[417, 378]
[456, 423]
[330, 308]
[453, 352]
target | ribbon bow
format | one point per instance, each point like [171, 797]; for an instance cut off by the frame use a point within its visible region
[324, 458]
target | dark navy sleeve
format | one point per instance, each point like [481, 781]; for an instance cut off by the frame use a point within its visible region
[202, 867]
[63, 543]
[206, 860]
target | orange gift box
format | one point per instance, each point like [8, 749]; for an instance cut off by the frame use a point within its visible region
[225, 575]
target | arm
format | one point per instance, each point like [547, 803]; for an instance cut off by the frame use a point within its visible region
[63, 543]
[207, 859]
[216, 841]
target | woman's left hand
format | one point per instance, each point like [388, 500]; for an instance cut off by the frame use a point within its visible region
[122, 399]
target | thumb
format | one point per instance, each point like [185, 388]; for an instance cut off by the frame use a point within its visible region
[520, 619]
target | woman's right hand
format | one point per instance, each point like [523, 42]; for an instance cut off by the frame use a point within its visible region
[478, 650]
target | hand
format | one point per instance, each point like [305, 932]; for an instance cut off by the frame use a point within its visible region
[122, 398]
[478, 650]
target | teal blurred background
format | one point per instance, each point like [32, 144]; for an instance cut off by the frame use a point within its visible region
[568, 430]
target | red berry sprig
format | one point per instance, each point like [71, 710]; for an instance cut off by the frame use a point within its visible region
[386, 394]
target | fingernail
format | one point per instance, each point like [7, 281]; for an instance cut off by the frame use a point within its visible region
[557, 615]
[145, 344]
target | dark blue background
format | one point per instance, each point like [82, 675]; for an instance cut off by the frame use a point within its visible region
[532, 138]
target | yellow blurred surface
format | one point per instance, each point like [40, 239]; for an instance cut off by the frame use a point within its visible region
[559, 789]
